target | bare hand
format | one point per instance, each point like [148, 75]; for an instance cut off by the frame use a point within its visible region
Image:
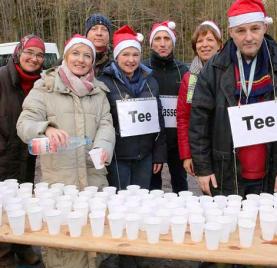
[275, 185]
[104, 157]
[57, 137]
[204, 183]
[188, 166]
[157, 168]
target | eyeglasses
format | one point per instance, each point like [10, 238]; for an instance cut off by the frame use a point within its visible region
[32, 54]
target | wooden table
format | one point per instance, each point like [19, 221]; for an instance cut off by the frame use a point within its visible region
[261, 253]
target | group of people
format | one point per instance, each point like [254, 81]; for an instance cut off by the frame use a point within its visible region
[142, 113]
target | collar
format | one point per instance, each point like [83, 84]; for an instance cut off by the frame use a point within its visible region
[160, 62]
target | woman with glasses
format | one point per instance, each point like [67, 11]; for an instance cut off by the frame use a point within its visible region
[16, 80]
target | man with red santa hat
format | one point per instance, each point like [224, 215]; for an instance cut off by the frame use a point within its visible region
[243, 73]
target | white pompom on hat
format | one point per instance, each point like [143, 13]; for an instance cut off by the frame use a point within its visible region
[168, 26]
[247, 11]
[79, 39]
[126, 37]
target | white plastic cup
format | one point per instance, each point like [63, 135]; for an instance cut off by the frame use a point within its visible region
[86, 194]
[71, 191]
[233, 197]
[178, 229]
[132, 226]
[111, 190]
[57, 185]
[212, 235]
[133, 189]
[164, 215]
[95, 155]
[26, 185]
[1, 213]
[116, 223]
[41, 185]
[144, 213]
[53, 219]
[246, 215]
[220, 200]
[97, 220]
[97, 206]
[185, 193]
[75, 223]
[180, 212]
[226, 223]
[246, 233]
[46, 205]
[169, 196]
[17, 221]
[70, 187]
[268, 224]
[83, 208]
[233, 212]
[64, 198]
[152, 226]
[157, 193]
[35, 218]
[266, 196]
[204, 199]
[196, 224]
[13, 207]
[92, 189]
[213, 214]
[65, 207]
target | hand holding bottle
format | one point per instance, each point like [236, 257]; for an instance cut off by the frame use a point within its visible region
[57, 137]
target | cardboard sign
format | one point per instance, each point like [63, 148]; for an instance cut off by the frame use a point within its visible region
[253, 123]
[169, 104]
[138, 116]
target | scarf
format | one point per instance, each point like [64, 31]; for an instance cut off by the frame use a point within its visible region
[262, 82]
[194, 69]
[134, 84]
[26, 80]
[80, 86]
[102, 58]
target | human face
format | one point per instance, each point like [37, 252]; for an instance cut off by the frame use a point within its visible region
[99, 36]
[79, 59]
[128, 60]
[162, 43]
[206, 46]
[248, 38]
[31, 59]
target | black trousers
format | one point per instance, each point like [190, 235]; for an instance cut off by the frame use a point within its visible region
[177, 173]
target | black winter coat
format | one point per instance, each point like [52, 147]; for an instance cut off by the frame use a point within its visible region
[135, 147]
[168, 72]
[210, 132]
[15, 161]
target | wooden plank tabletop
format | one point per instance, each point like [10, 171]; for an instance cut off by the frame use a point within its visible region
[261, 253]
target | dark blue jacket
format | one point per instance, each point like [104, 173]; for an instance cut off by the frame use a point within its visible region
[135, 147]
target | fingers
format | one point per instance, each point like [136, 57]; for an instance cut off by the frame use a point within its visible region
[104, 157]
[214, 182]
[275, 186]
[57, 137]
[204, 183]
[156, 168]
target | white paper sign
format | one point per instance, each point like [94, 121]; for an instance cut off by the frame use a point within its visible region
[138, 116]
[169, 112]
[253, 123]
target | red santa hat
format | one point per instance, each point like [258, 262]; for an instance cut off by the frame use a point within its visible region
[79, 39]
[247, 11]
[168, 26]
[126, 37]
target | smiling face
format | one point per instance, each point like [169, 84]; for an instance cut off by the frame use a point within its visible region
[206, 46]
[162, 43]
[31, 59]
[248, 38]
[128, 60]
[99, 36]
[79, 59]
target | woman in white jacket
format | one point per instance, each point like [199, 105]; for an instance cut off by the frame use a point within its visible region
[69, 101]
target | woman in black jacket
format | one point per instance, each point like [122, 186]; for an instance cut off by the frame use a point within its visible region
[136, 109]
[16, 80]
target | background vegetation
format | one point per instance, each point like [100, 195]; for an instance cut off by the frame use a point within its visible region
[56, 20]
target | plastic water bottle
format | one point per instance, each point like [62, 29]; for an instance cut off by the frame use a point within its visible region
[40, 146]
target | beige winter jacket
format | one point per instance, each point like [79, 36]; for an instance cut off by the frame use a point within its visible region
[50, 103]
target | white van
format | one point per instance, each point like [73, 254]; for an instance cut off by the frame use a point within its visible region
[51, 53]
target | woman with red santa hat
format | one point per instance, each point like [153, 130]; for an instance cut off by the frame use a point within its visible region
[16, 80]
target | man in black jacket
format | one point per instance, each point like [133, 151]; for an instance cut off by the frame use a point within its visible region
[242, 73]
[168, 72]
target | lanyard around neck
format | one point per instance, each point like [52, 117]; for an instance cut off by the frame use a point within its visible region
[247, 90]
